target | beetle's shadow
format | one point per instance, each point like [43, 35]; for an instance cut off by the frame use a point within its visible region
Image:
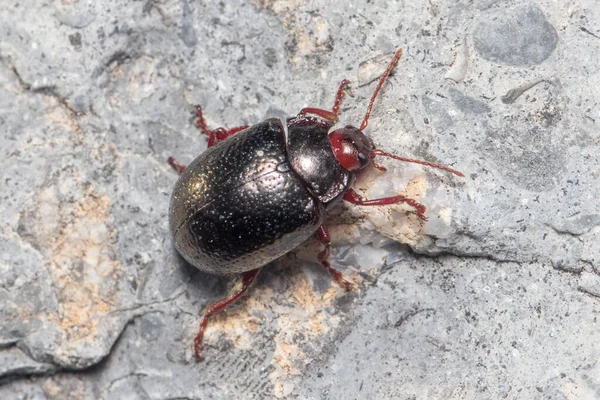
[208, 288]
[205, 288]
[201, 285]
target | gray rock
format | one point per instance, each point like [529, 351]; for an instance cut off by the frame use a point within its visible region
[95, 303]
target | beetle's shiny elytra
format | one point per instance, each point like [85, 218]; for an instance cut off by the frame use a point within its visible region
[254, 195]
[248, 200]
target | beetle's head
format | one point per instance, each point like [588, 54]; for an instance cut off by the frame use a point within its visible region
[352, 148]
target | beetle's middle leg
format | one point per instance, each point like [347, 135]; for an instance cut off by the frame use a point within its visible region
[247, 280]
[334, 114]
[352, 197]
[214, 135]
[323, 234]
[176, 166]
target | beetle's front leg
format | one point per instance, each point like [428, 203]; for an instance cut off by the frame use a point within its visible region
[334, 114]
[216, 135]
[352, 197]
[247, 280]
[323, 234]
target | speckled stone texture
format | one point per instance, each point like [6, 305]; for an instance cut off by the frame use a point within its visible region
[496, 296]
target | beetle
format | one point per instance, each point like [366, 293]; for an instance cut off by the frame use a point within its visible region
[257, 193]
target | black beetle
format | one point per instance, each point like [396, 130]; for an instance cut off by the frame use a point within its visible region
[257, 193]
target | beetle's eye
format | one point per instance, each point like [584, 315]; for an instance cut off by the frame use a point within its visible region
[364, 160]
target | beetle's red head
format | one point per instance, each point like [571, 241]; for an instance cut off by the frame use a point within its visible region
[351, 147]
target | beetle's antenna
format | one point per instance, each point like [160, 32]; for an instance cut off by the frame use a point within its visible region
[379, 85]
[377, 152]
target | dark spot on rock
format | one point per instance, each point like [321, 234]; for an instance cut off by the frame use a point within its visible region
[75, 40]
[188, 35]
[344, 304]
[270, 57]
[521, 36]
[291, 46]
[437, 111]
[467, 104]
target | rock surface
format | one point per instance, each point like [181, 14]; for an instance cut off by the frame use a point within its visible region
[495, 296]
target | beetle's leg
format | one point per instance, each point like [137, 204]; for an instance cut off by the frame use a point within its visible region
[176, 166]
[323, 234]
[219, 134]
[247, 279]
[334, 114]
[352, 197]
[215, 135]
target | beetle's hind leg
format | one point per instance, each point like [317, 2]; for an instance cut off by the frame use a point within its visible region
[334, 114]
[215, 135]
[247, 280]
[323, 234]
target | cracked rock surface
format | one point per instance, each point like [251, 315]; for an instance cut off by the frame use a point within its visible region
[495, 296]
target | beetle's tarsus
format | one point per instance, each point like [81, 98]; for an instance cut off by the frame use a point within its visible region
[339, 97]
